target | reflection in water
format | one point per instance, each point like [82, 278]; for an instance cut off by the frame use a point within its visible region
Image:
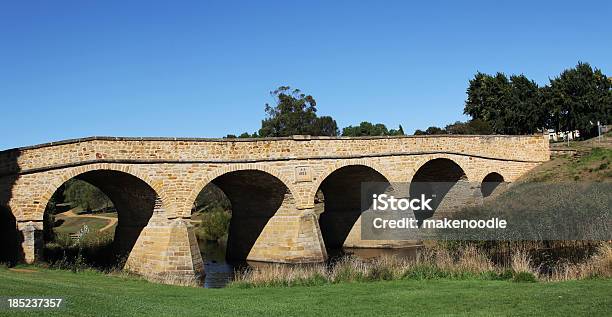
[219, 271]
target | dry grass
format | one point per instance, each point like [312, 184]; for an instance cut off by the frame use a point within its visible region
[521, 262]
[470, 260]
[279, 274]
[173, 279]
[599, 265]
[431, 263]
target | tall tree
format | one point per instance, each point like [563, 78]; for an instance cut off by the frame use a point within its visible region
[325, 125]
[488, 99]
[526, 114]
[294, 113]
[509, 105]
[578, 98]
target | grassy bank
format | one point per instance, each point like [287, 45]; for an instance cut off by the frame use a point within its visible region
[95, 294]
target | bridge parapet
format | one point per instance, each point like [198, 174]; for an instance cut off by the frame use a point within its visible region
[186, 150]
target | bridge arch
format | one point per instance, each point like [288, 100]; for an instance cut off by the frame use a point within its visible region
[134, 200]
[445, 182]
[185, 209]
[256, 194]
[344, 163]
[70, 173]
[490, 183]
[439, 169]
[457, 160]
[344, 202]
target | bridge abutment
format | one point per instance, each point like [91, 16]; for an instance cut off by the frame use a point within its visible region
[290, 238]
[125, 237]
[167, 251]
[354, 240]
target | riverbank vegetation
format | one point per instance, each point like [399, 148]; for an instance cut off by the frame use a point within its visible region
[214, 224]
[212, 212]
[467, 262]
[91, 251]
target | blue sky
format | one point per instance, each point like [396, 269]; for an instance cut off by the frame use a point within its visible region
[205, 69]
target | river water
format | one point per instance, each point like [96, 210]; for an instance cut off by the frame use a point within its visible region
[219, 271]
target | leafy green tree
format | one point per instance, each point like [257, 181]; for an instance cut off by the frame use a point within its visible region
[368, 129]
[325, 125]
[365, 129]
[245, 135]
[211, 197]
[526, 113]
[435, 130]
[474, 126]
[419, 132]
[578, 98]
[214, 225]
[295, 113]
[488, 99]
[82, 194]
[400, 130]
[430, 131]
[509, 105]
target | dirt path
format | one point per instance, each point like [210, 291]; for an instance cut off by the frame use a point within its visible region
[111, 221]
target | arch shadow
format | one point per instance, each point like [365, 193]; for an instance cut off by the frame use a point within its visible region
[490, 183]
[435, 179]
[11, 251]
[344, 201]
[255, 197]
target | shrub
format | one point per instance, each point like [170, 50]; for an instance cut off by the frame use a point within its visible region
[347, 269]
[505, 275]
[524, 277]
[214, 225]
[92, 251]
[380, 273]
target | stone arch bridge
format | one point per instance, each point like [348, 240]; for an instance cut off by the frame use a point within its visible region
[270, 182]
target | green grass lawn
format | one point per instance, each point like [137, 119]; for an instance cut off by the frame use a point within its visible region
[92, 293]
[72, 225]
